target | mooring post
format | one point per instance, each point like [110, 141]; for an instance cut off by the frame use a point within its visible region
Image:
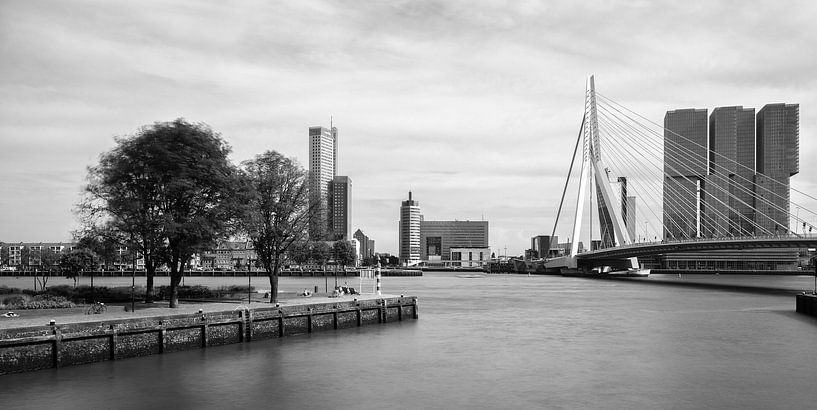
[113, 342]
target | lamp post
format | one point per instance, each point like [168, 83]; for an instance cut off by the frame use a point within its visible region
[133, 279]
[249, 280]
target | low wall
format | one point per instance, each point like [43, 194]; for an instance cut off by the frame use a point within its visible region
[219, 274]
[42, 347]
[806, 304]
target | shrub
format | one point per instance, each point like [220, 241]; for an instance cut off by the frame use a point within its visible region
[5, 290]
[223, 291]
[84, 294]
[14, 300]
[186, 292]
[39, 302]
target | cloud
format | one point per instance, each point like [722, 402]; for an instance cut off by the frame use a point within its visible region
[475, 106]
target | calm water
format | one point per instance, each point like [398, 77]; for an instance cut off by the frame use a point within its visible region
[492, 342]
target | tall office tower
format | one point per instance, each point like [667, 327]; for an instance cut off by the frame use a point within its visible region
[340, 208]
[729, 187]
[778, 153]
[630, 220]
[410, 220]
[627, 206]
[685, 168]
[366, 244]
[323, 165]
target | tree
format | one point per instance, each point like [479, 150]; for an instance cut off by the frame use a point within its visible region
[76, 262]
[321, 253]
[344, 253]
[299, 253]
[170, 190]
[103, 243]
[278, 211]
[394, 261]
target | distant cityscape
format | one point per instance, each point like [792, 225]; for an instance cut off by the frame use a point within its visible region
[706, 156]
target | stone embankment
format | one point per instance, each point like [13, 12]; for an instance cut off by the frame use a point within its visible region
[40, 347]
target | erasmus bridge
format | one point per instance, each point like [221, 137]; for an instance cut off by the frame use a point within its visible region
[616, 145]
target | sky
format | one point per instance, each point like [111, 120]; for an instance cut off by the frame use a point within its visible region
[472, 105]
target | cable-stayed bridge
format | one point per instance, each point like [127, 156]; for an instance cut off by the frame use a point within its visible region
[693, 195]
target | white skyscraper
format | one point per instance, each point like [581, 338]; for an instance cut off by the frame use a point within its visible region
[323, 166]
[409, 236]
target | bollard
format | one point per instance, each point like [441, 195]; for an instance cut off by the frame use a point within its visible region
[316, 288]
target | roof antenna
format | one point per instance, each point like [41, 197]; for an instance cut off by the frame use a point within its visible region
[330, 123]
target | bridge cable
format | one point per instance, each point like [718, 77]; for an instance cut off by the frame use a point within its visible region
[613, 102]
[743, 188]
[651, 141]
[569, 171]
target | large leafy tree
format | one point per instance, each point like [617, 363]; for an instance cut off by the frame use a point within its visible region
[170, 190]
[320, 253]
[344, 253]
[103, 243]
[299, 253]
[278, 212]
[75, 263]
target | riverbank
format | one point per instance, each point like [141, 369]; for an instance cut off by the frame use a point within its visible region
[79, 338]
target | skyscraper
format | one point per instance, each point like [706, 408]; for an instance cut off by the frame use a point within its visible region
[409, 235]
[778, 151]
[366, 244]
[685, 168]
[323, 167]
[729, 188]
[340, 208]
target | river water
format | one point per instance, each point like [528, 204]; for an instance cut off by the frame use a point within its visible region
[496, 341]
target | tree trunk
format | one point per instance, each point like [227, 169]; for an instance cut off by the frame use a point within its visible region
[273, 284]
[175, 279]
[150, 273]
[149, 288]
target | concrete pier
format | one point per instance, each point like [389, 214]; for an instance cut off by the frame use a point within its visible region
[40, 347]
[807, 304]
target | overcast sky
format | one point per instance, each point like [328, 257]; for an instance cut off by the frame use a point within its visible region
[473, 105]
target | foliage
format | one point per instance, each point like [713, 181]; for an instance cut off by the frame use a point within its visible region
[85, 294]
[44, 301]
[103, 242]
[343, 252]
[5, 290]
[394, 261]
[14, 300]
[170, 190]
[77, 261]
[320, 252]
[279, 213]
[299, 252]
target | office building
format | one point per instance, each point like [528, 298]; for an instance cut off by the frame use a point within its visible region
[729, 187]
[340, 208]
[543, 246]
[437, 238]
[366, 244]
[323, 167]
[778, 152]
[409, 231]
[685, 169]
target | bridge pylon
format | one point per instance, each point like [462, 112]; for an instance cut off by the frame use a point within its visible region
[595, 172]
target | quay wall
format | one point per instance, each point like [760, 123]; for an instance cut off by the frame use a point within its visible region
[806, 304]
[42, 347]
[220, 274]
